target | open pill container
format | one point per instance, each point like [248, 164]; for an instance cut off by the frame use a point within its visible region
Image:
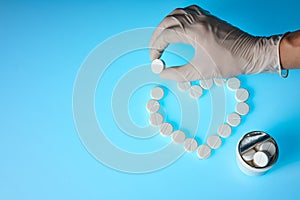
[256, 153]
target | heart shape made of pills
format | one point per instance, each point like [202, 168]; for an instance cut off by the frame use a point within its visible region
[224, 130]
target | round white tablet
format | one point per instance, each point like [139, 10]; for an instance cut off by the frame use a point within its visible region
[261, 159]
[219, 81]
[206, 84]
[233, 119]
[214, 141]
[257, 146]
[248, 155]
[233, 83]
[268, 147]
[157, 66]
[157, 93]
[203, 151]
[166, 129]
[152, 106]
[241, 95]
[195, 91]
[183, 86]
[224, 130]
[156, 119]
[190, 145]
[178, 137]
[242, 108]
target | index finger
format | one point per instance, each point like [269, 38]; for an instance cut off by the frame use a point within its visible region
[161, 42]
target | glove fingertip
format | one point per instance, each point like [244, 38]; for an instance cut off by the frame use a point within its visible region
[171, 74]
[154, 54]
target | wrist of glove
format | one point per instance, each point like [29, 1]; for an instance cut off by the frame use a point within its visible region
[262, 54]
[221, 50]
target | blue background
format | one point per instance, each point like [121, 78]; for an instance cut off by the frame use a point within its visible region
[42, 45]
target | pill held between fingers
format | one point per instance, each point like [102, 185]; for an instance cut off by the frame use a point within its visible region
[242, 108]
[261, 159]
[219, 81]
[190, 145]
[156, 119]
[233, 83]
[152, 106]
[224, 130]
[214, 141]
[157, 66]
[203, 151]
[206, 84]
[178, 137]
[233, 119]
[166, 129]
[157, 93]
[195, 91]
[248, 155]
[241, 95]
[183, 86]
[268, 147]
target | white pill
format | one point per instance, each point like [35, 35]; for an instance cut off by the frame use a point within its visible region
[233, 83]
[190, 145]
[157, 93]
[206, 84]
[166, 129]
[196, 91]
[268, 147]
[203, 151]
[156, 119]
[214, 141]
[257, 147]
[224, 130]
[178, 137]
[183, 86]
[233, 119]
[242, 108]
[241, 95]
[248, 155]
[219, 81]
[261, 159]
[157, 66]
[152, 106]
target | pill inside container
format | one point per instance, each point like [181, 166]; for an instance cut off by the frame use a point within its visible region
[260, 162]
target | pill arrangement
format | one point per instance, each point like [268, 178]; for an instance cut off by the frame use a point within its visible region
[195, 92]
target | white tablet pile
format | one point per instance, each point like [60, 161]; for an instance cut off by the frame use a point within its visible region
[195, 92]
[261, 154]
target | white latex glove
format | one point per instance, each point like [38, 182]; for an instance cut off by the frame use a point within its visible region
[221, 50]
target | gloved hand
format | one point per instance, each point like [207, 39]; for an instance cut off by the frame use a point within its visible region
[221, 50]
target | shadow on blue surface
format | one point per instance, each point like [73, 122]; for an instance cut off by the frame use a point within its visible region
[288, 139]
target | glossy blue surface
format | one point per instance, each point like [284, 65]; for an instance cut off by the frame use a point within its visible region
[42, 46]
